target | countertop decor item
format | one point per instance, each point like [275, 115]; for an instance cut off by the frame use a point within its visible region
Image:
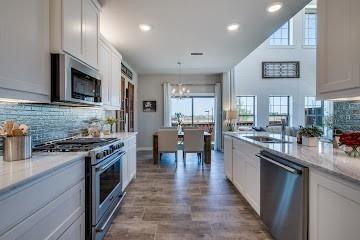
[17, 142]
[310, 136]
[110, 121]
[352, 142]
[95, 127]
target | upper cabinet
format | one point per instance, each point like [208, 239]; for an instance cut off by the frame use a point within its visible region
[110, 71]
[338, 52]
[75, 29]
[24, 50]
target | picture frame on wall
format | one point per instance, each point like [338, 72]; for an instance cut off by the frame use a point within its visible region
[149, 106]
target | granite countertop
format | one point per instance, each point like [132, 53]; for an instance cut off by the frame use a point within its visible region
[15, 174]
[323, 158]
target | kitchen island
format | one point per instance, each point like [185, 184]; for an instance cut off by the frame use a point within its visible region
[334, 180]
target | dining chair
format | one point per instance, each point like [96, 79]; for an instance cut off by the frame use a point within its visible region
[167, 142]
[193, 143]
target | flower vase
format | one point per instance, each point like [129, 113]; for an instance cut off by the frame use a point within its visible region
[353, 152]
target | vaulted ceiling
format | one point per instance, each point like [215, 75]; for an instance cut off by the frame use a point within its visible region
[180, 27]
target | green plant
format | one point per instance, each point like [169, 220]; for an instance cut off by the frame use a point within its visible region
[312, 131]
[110, 121]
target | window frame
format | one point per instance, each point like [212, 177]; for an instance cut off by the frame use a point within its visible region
[238, 99]
[290, 34]
[315, 115]
[279, 115]
[304, 29]
[192, 108]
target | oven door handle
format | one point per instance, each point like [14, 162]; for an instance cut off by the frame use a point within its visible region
[104, 167]
[106, 223]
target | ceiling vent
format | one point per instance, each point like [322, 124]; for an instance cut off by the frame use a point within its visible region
[196, 54]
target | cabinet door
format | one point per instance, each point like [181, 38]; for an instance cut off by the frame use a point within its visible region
[334, 209]
[132, 161]
[90, 33]
[238, 171]
[252, 182]
[105, 71]
[338, 52]
[125, 170]
[115, 81]
[228, 158]
[76, 231]
[72, 27]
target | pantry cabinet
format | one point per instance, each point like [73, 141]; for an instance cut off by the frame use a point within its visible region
[110, 71]
[334, 208]
[74, 29]
[338, 51]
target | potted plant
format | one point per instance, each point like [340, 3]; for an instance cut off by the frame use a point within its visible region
[310, 136]
[352, 141]
[110, 121]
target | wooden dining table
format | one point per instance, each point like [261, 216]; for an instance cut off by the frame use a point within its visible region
[207, 147]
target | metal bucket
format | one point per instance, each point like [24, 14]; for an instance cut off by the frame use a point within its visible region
[17, 148]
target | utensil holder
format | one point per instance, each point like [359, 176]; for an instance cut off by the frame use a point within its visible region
[17, 148]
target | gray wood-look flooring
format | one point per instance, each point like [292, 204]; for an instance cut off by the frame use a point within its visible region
[184, 203]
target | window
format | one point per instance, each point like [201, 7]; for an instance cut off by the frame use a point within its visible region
[314, 112]
[279, 109]
[310, 28]
[195, 111]
[245, 106]
[282, 37]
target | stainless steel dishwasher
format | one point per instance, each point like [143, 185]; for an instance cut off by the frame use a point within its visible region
[284, 200]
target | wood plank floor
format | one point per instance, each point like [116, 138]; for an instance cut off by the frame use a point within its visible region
[184, 203]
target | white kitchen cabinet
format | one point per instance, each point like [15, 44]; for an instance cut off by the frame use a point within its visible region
[76, 230]
[74, 29]
[24, 50]
[129, 162]
[246, 172]
[334, 208]
[338, 51]
[110, 70]
[105, 72]
[115, 81]
[90, 33]
[228, 158]
[47, 207]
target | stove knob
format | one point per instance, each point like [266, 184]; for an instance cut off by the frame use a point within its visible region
[99, 155]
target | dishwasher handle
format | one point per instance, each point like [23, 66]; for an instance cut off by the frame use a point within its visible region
[287, 168]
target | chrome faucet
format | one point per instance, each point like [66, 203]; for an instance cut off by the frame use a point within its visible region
[283, 129]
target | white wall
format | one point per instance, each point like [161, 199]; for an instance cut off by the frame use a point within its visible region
[150, 88]
[248, 75]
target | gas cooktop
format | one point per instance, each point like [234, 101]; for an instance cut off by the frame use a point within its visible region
[73, 144]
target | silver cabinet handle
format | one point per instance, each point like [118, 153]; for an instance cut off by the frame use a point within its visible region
[287, 168]
[102, 228]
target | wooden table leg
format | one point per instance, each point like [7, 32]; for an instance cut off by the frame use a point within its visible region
[155, 149]
[207, 139]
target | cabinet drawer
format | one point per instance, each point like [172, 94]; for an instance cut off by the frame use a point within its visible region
[52, 220]
[76, 231]
[19, 206]
[131, 141]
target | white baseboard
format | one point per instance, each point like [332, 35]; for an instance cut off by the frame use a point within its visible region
[144, 149]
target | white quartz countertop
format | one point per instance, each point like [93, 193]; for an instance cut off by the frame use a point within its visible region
[15, 174]
[323, 158]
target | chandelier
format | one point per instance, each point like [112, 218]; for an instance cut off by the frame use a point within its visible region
[179, 90]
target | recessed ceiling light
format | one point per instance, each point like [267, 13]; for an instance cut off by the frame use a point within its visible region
[145, 27]
[275, 7]
[233, 27]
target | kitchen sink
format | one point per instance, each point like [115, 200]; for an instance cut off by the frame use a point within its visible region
[266, 139]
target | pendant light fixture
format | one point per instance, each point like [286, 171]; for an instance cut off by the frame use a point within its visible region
[179, 90]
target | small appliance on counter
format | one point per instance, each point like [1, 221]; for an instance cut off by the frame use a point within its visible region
[17, 142]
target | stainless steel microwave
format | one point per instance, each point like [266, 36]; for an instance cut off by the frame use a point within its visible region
[73, 82]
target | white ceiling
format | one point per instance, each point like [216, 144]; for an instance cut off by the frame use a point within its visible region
[184, 26]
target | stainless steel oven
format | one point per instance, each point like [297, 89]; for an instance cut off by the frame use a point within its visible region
[104, 185]
[73, 82]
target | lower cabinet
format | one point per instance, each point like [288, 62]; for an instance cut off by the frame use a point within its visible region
[129, 162]
[246, 171]
[228, 157]
[334, 208]
[52, 208]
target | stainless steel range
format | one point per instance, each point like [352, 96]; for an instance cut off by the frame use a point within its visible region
[103, 178]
